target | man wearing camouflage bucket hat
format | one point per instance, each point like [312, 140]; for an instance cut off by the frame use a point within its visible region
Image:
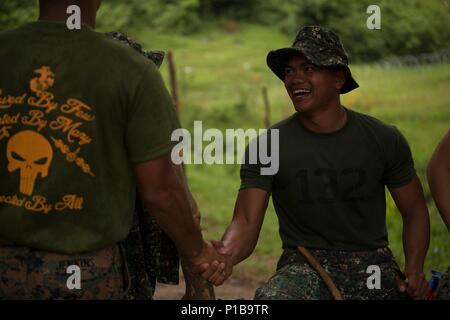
[329, 191]
[319, 46]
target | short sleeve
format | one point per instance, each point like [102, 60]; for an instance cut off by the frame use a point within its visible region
[252, 169]
[399, 168]
[152, 118]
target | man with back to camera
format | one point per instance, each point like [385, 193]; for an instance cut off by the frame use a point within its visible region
[83, 119]
[329, 192]
[150, 255]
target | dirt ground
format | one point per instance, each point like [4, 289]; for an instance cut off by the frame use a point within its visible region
[246, 278]
[233, 289]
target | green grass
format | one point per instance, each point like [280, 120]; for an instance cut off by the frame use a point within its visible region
[220, 79]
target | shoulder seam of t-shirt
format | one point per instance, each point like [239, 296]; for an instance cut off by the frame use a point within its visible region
[256, 186]
[390, 130]
[403, 182]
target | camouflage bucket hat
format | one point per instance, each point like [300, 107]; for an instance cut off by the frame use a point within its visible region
[154, 55]
[320, 46]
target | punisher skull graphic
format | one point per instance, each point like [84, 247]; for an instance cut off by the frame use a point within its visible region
[32, 154]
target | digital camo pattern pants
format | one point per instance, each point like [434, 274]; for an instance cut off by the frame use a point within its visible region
[443, 291]
[295, 279]
[150, 256]
[31, 274]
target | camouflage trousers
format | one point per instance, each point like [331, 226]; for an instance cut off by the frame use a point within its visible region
[295, 279]
[443, 291]
[31, 274]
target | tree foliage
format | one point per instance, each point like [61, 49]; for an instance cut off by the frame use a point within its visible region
[408, 26]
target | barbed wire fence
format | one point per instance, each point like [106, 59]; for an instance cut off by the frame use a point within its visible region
[412, 60]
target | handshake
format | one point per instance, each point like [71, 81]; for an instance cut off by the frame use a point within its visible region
[214, 263]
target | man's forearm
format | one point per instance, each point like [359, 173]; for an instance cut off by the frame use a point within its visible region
[174, 206]
[240, 240]
[196, 287]
[416, 239]
[410, 201]
[242, 234]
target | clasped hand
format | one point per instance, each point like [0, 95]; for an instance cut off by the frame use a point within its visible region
[214, 263]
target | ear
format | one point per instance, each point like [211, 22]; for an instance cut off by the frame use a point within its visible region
[340, 77]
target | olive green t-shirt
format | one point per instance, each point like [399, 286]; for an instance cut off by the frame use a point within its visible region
[329, 192]
[77, 110]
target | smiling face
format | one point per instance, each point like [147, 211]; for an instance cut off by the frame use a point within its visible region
[311, 87]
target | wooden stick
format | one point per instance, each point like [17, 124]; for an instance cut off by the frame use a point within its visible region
[173, 81]
[174, 89]
[322, 273]
[266, 107]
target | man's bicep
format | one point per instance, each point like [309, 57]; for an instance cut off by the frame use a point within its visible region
[399, 170]
[408, 196]
[441, 156]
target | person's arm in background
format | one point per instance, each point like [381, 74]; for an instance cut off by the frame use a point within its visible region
[241, 236]
[416, 236]
[166, 197]
[197, 288]
[438, 173]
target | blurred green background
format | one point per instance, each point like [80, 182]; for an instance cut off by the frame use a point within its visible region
[219, 49]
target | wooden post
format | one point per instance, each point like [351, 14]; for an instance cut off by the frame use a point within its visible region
[174, 89]
[322, 273]
[266, 107]
[196, 287]
[173, 82]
